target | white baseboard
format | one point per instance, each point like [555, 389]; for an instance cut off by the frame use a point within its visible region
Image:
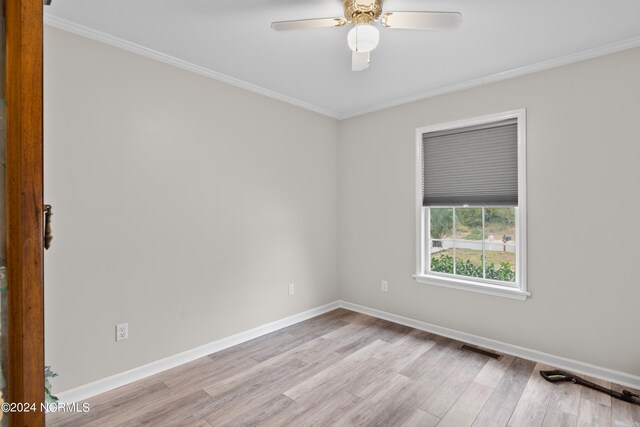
[103, 385]
[576, 366]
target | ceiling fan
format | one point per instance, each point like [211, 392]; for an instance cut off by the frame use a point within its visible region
[364, 36]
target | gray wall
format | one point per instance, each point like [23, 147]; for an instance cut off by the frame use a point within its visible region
[185, 206]
[182, 205]
[583, 232]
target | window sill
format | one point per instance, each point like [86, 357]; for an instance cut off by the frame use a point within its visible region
[467, 285]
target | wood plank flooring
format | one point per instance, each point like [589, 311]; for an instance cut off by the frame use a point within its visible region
[348, 369]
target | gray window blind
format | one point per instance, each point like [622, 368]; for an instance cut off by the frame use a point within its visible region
[475, 165]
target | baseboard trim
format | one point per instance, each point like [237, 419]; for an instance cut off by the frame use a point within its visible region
[103, 385]
[576, 366]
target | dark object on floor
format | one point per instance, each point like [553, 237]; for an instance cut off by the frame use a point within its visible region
[558, 376]
[481, 351]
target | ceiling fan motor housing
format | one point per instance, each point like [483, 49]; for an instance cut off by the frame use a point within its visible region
[362, 11]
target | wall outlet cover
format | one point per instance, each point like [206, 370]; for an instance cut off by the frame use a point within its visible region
[122, 331]
[292, 288]
[385, 286]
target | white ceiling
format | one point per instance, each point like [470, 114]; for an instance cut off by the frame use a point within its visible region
[313, 67]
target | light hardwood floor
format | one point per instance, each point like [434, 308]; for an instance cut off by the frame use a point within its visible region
[346, 368]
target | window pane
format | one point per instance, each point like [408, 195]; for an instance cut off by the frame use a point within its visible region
[468, 261]
[500, 247]
[469, 226]
[500, 266]
[441, 223]
[500, 223]
[456, 244]
[441, 256]
[469, 242]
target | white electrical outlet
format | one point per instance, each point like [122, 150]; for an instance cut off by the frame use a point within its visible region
[292, 288]
[122, 331]
[385, 286]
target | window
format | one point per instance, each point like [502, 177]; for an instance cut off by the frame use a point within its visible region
[471, 217]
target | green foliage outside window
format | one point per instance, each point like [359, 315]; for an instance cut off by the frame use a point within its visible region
[474, 234]
[444, 264]
[468, 220]
[441, 223]
[500, 216]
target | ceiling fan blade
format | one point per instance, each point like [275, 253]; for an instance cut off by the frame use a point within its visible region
[360, 61]
[421, 20]
[304, 24]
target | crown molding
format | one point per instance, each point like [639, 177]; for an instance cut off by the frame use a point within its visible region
[505, 75]
[560, 61]
[99, 36]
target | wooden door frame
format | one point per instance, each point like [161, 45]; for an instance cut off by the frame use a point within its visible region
[25, 321]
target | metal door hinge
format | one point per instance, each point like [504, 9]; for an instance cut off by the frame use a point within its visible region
[48, 237]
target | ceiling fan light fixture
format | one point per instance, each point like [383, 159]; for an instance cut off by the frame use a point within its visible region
[363, 38]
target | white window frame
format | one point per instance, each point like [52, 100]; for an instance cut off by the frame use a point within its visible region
[517, 290]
